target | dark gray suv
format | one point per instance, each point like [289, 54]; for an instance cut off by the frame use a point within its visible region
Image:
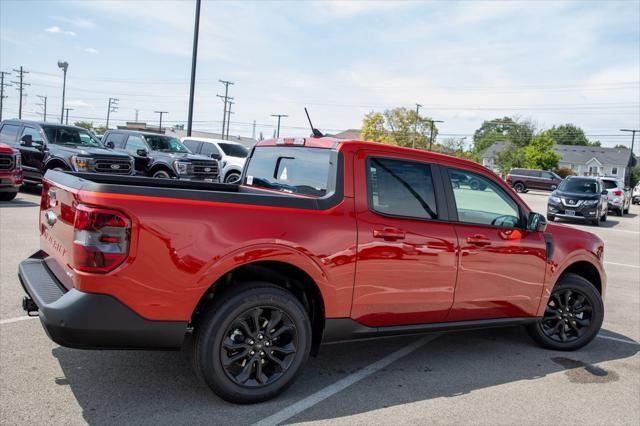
[523, 180]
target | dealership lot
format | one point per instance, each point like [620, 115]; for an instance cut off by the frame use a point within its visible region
[487, 377]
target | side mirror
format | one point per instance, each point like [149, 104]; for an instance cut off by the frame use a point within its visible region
[537, 222]
[26, 140]
[110, 145]
[605, 192]
[216, 156]
[627, 188]
[142, 152]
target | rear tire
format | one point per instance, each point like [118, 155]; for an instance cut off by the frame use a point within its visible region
[520, 188]
[252, 342]
[619, 211]
[573, 315]
[7, 196]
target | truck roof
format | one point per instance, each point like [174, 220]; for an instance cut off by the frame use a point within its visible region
[340, 144]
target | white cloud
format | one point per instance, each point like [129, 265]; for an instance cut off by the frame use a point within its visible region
[349, 8]
[77, 22]
[57, 30]
[90, 50]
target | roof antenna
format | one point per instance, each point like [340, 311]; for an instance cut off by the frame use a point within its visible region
[315, 132]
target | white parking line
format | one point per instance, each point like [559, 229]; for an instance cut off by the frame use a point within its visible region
[313, 399]
[622, 264]
[16, 319]
[631, 342]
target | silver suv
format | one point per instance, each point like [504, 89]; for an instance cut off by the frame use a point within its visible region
[619, 197]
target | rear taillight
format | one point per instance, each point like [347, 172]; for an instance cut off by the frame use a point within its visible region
[617, 193]
[508, 178]
[101, 239]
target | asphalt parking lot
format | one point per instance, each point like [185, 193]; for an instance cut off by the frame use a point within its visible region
[483, 377]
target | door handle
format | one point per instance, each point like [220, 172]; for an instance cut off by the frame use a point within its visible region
[389, 234]
[479, 240]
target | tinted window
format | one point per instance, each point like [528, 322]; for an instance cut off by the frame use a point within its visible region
[36, 137]
[480, 200]
[192, 145]
[9, 133]
[401, 188]
[134, 143]
[585, 186]
[292, 170]
[209, 148]
[547, 175]
[234, 150]
[70, 136]
[609, 184]
[116, 138]
[165, 144]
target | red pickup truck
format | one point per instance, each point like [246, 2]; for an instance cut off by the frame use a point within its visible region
[323, 240]
[10, 172]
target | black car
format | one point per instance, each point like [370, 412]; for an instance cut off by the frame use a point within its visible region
[162, 156]
[581, 198]
[45, 146]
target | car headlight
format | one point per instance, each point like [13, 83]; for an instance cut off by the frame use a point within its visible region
[554, 199]
[590, 202]
[181, 167]
[80, 164]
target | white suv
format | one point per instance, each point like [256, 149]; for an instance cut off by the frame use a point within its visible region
[232, 155]
[619, 197]
[635, 196]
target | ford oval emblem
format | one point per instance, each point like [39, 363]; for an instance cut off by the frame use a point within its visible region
[207, 169]
[115, 166]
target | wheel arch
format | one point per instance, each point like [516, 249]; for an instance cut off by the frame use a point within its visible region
[586, 270]
[161, 166]
[56, 162]
[286, 275]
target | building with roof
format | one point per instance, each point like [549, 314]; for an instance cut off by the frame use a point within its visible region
[583, 160]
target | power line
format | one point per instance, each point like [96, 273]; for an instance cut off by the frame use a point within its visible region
[2, 86]
[20, 87]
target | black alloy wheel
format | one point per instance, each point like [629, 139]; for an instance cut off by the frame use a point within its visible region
[519, 187]
[259, 346]
[573, 315]
[251, 342]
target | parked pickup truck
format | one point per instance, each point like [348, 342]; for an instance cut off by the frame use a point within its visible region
[322, 241]
[10, 172]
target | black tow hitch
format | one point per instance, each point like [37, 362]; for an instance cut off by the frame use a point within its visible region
[30, 306]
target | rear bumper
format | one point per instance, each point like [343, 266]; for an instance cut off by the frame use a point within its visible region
[92, 321]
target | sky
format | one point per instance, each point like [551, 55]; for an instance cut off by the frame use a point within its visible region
[549, 61]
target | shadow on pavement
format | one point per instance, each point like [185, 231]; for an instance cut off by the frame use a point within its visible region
[160, 387]
[17, 202]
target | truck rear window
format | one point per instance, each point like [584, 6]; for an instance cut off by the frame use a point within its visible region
[294, 170]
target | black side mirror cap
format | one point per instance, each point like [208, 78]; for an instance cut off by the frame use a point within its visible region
[110, 145]
[216, 156]
[537, 222]
[142, 152]
[605, 192]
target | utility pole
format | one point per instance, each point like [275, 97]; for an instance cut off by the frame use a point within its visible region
[66, 121]
[194, 60]
[64, 66]
[2, 86]
[113, 107]
[137, 111]
[44, 106]
[431, 135]
[633, 136]
[226, 99]
[20, 88]
[161, 114]
[415, 127]
[253, 133]
[229, 118]
[279, 117]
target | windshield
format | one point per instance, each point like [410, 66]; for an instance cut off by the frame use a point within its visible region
[71, 136]
[292, 170]
[609, 184]
[583, 186]
[234, 150]
[165, 144]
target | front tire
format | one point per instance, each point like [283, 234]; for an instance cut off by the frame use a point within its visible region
[252, 342]
[573, 316]
[520, 188]
[232, 177]
[162, 174]
[619, 211]
[7, 196]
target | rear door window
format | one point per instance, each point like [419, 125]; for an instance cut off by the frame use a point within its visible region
[134, 143]
[209, 148]
[116, 138]
[401, 188]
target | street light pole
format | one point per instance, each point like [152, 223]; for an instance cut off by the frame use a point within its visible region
[161, 113]
[194, 57]
[279, 117]
[63, 66]
[67, 119]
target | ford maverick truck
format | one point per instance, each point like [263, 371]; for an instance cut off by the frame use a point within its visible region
[321, 241]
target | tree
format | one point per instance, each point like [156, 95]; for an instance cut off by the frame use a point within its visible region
[540, 154]
[398, 126]
[563, 172]
[621, 146]
[569, 134]
[505, 129]
[508, 159]
[84, 124]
